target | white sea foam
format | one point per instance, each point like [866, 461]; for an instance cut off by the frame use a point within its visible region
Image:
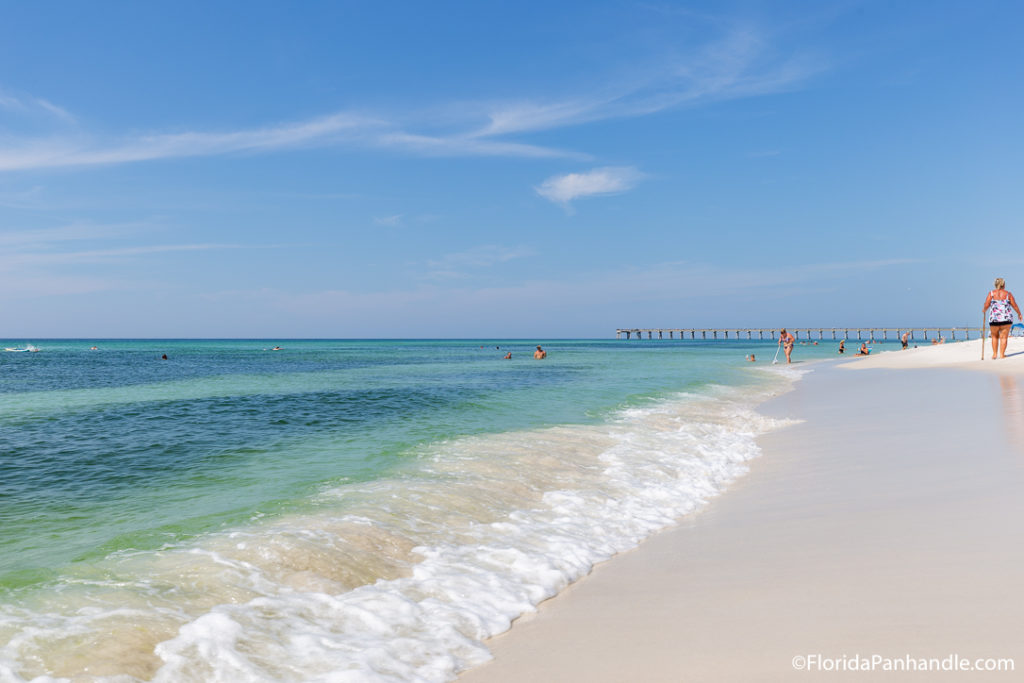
[397, 580]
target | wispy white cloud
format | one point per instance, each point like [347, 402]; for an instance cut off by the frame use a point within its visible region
[58, 152]
[53, 109]
[337, 129]
[320, 195]
[29, 105]
[741, 63]
[563, 189]
[105, 255]
[27, 198]
[45, 238]
[22, 286]
[78, 258]
[520, 117]
[459, 264]
[466, 145]
[859, 265]
[388, 221]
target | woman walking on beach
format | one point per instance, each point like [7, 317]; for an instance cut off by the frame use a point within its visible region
[786, 341]
[999, 317]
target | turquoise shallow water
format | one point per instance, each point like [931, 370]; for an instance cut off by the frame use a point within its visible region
[115, 453]
[116, 448]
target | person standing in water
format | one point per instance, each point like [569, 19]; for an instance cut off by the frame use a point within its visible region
[786, 341]
[540, 354]
[999, 317]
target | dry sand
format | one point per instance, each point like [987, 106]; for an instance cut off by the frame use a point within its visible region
[965, 355]
[890, 522]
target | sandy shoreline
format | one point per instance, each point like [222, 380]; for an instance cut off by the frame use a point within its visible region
[965, 355]
[888, 523]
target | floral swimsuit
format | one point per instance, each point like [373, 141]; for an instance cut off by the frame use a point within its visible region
[1000, 311]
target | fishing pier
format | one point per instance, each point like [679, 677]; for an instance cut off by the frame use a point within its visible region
[808, 333]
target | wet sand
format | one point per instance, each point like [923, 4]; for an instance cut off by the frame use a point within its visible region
[889, 523]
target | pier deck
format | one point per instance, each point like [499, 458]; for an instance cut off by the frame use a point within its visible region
[741, 333]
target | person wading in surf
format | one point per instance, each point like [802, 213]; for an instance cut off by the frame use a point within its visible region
[786, 340]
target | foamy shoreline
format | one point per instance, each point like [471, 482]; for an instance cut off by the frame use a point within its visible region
[887, 523]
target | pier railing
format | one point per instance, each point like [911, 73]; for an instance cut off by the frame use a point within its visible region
[742, 333]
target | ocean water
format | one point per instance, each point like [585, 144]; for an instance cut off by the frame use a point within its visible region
[339, 510]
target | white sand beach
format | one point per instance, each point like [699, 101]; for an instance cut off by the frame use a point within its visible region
[963, 354]
[888, 524]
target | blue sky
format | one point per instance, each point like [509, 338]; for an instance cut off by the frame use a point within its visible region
[504, 169]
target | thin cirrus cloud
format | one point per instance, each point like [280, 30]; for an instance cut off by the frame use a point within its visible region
[28, 105]
[97, 255]
[29, 266]
[471, 144]
[334, 130]
[738, 64]
[37, 258]
[564, 189]
[46, 238]
[388, 221]
[63, 245]
[60, 152]
[461, 264]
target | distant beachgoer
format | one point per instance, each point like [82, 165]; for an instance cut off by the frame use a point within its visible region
[94, 348]
[786, 340]
[508, 356]
[163, 357]
[903, 339]
[842, 346]
[540, 354]
[864, 350]
[999, 318]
